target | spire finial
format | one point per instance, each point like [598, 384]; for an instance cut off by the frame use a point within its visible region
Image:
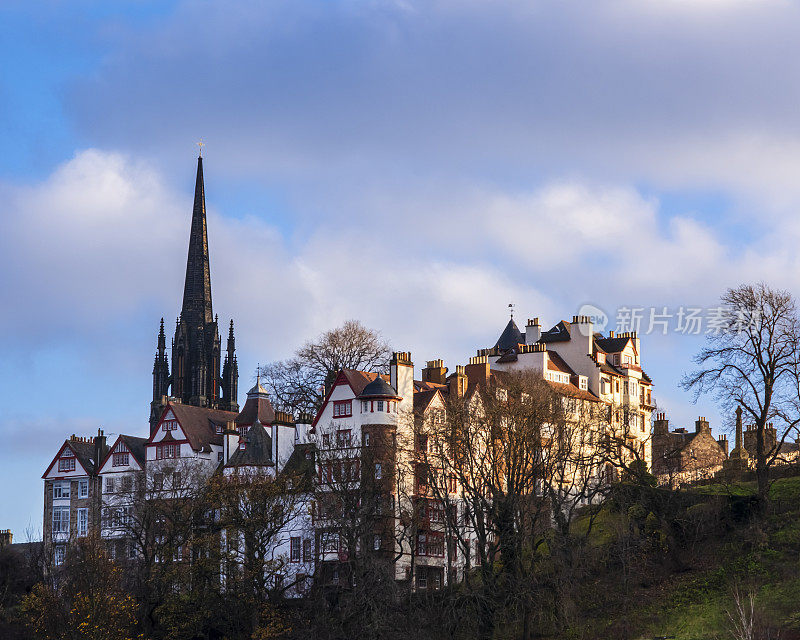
[258, 374]
[511, 309]
[200, 144]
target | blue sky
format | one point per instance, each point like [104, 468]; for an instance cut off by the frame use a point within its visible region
[416, 165]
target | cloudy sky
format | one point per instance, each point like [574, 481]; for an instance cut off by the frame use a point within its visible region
[415, 165]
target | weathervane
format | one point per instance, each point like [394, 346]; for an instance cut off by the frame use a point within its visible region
[201, 144]
[511, 309]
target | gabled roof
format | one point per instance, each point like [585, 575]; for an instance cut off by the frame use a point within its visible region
[359, 379]
[612, 345]
[556, 363]
[510, 338]
[199, 424]
[135, 445]
[423, 399]
[257, 450]
[558, 333]
[84, 451]
[356, 380]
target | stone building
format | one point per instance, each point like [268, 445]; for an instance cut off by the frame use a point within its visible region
[683, 456]
[72, 493]
[571, 355]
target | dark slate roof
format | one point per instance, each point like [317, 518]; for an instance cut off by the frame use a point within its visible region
[136, 446]
[199, 424]
[558, 333]
[257, 450]
[510, 338]
[84, 452]
[300, 465]
[422, 399]
[378, 388]
[511, 356]
[612, 345]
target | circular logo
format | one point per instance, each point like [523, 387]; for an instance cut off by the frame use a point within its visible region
[598, 317]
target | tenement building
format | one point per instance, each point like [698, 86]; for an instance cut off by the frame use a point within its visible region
[374, 479]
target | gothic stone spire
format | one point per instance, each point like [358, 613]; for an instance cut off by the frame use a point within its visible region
[197, 288]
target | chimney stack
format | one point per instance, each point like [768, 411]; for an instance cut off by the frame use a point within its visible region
[435, 372]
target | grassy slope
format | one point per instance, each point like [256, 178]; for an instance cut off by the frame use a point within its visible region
[693, 605]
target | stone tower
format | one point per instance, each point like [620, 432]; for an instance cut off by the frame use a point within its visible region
[196, 378]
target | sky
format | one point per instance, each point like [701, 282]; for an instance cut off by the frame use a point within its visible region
[416, 165]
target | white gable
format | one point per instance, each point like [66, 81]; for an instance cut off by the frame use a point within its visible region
[66, 465]
[169, 424]
[118, 463]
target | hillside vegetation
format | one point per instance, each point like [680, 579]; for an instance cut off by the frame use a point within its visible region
[674, 563]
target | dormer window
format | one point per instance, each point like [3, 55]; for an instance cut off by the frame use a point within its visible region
[583, 382]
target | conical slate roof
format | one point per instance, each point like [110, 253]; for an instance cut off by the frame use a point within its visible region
[510, 337]
[378, 388]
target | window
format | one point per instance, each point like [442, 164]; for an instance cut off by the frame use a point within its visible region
[176, 480]
[343, 438]
[131, 549]
[331, 544]
[158, 481]
[121, 459]
[83, 522]
[294, 549]
[66, 464]
[126, 483]
[307, 550]
[167, 451]
[376, 542]
[451, 484]
[59, 553]
[378, 471]
[584, 383]
[61, 520]
[364, 406]
[422, 443]
[380, 405]
[342, 408]
[61, 490]
[366, 438]
[83, 488]
[430, 544]
[326, 440]
[169, 425]
[110, 485]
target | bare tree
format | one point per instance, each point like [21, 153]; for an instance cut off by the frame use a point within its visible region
[509, 460]
[299, 384]
[751, 360]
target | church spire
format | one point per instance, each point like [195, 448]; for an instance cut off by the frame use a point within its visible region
[197, 288]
